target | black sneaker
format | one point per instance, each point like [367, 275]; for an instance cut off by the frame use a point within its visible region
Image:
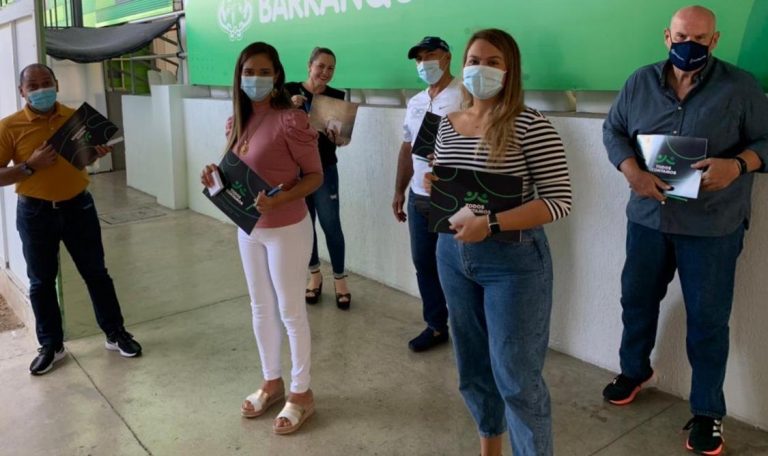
[43, 362]
[706, 436]
[123, 342]
[427, 339]
[622, 390]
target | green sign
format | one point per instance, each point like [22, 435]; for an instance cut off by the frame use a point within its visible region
[565, 44]
[101, 13]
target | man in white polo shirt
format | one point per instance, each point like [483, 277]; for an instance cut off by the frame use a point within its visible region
[443, 96]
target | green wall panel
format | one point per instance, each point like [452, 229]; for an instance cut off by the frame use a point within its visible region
[566, 44]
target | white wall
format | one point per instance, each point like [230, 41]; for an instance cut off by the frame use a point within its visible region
[18, 48]
[587, 247]
[155, 155]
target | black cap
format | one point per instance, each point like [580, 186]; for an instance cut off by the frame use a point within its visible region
[429, 43]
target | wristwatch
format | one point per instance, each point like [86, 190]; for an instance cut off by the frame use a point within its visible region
[26, 169]
[493, 223]
[742, 165]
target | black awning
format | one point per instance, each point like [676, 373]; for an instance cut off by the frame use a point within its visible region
[86, 44]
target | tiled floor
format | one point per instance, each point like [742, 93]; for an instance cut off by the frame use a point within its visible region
[179, 279]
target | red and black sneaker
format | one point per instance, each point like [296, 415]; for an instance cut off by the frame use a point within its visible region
[706, 436]
[622, 390]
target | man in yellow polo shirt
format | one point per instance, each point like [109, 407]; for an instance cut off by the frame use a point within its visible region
[54, 206]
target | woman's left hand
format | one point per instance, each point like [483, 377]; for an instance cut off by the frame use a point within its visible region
[473, 230]
[335, 137]
[264, 204]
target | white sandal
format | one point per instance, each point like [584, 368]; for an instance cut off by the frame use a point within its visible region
[261, 402]
[295, 414]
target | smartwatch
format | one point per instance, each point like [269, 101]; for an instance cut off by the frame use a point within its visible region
[742, 165]
[26, 169]
[493, 223]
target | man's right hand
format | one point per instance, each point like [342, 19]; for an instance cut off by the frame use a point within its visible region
[642, 182]
[646, 184]
[43, 157]
[397, 206]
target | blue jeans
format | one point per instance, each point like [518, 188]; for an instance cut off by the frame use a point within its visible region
[324, 204]
[499, 302]
[423, 253]
[41, 228]
[707, 268]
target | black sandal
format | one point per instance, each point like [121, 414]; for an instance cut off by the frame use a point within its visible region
[313, 298]
[343, 300]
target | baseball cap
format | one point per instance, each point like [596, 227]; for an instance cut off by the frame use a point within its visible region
[429, 43]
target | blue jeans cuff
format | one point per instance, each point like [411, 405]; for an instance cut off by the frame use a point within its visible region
[717, 416]
[490, 435]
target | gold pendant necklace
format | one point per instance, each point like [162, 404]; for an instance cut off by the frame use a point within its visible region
[248, 133]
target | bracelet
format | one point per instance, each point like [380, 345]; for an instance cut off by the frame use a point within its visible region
[743, 168]
[493, 223]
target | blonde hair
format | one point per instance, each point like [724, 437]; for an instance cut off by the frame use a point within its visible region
[501, 129]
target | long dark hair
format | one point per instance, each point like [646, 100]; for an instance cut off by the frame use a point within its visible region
[241, 104]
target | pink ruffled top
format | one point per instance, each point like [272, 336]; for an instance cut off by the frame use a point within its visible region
[280, 145]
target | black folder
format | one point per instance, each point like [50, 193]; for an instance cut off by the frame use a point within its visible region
[77, 139]
[241, 186]
[483, 192]
[427, 136]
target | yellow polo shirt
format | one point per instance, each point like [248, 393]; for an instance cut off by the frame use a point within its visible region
[23, 132]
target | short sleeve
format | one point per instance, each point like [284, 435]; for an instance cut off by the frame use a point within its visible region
[301, 140]
[6, 145]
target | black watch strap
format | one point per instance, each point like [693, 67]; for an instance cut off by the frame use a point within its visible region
[28, 170]
[743, 168]
[493, 223]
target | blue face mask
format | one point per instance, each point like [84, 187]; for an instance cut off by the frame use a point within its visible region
[257, 87]
[430, 71]
[42, 99]
[688, 55]
[482, 81]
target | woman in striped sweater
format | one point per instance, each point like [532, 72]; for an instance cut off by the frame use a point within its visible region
[499, 293]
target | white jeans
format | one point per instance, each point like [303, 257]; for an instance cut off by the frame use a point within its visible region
[275, 266]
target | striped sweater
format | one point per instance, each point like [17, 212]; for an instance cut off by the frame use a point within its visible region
[536, 154]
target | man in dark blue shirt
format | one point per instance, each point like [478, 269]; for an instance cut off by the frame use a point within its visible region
[692, 94]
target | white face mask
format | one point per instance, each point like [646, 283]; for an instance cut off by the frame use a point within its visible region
[483, 82]
[257, 87]
[430, 71]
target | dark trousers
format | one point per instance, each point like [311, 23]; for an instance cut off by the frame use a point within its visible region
[423, 253]
[707, 267]
[75, 222]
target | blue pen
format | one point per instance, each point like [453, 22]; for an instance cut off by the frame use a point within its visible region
[270, 193]
[275, 190]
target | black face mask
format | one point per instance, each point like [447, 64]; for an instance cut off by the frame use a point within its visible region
[688, 55]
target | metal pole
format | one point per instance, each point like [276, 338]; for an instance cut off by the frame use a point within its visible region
[77, 13]
[40, 30]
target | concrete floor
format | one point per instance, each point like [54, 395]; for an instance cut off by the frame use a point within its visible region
[184, 298]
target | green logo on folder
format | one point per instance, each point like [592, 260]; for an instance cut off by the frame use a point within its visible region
[665, 160]
[239, 187]
[472, 197]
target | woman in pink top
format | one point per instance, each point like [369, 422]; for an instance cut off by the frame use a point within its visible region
[275, 141]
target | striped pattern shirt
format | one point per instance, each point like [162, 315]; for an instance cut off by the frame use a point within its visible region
[536, 154]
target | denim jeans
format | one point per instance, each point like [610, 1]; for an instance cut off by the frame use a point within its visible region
[423, 253]
[324, 204]
[41, 228]
[499, 302]
[707, 268]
